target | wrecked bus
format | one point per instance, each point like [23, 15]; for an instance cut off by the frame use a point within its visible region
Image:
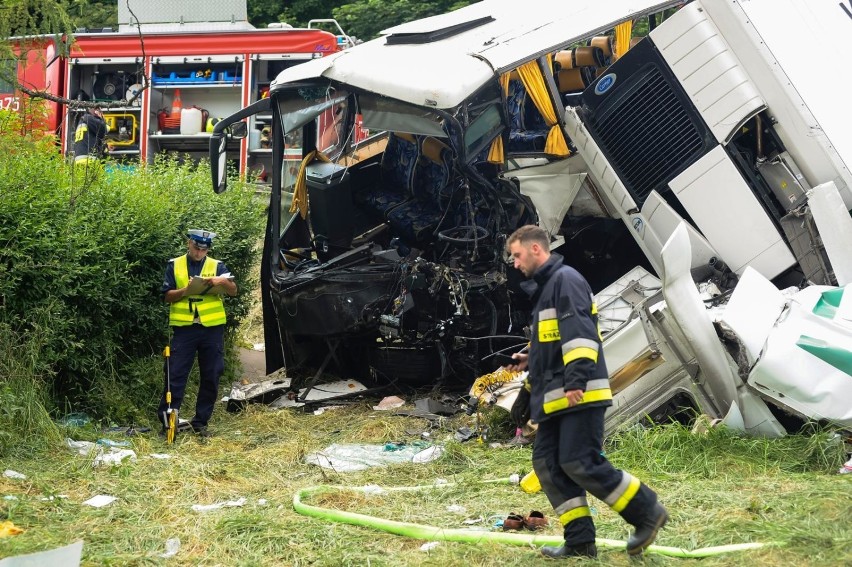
[696, 176]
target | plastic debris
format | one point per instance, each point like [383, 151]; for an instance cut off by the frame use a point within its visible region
[456, 509]
[514, 478]
[846, 468]
[471, 521]
[172, 547]
[429, 546]
[66, 556]
[208, 507]
[9, 473]
[388, 403]
[7, 529]
[354, 457]
[114, 457]
[111, 443]
[161, 456]
[81, 447]
[77, 419]
[10, 497]
[261, 501]
[323, 409]
[374, 490]
[100, 501]
[428, 455]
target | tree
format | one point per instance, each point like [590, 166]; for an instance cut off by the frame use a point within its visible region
[366, 18]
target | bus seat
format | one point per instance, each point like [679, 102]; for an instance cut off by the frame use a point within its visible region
[397, 175]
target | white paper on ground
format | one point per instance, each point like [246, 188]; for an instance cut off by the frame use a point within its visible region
[217, 505]
[9, 473]
[100, 501]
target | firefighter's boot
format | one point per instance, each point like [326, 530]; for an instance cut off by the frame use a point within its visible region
[566, 551]
[646, 532]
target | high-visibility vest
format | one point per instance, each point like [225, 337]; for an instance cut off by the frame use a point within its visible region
[209, 309]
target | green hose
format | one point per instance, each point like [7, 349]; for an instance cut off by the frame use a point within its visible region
[432, 533]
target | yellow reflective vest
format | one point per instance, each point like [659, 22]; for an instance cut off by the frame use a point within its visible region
[209, 309]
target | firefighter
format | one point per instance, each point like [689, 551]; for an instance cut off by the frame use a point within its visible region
[568, 395]
[198, 327]
[89, 136]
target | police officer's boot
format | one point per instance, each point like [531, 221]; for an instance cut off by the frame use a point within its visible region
[646, 532]
[565, 551]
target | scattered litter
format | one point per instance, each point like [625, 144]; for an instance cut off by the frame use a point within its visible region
[160, 456]
[10, 497]
[456, 509]
[323, 409]
[81, 447]
[67, 556]
[7, 529]
[52, 498]
[435, 406]
[111, 443]
[514, 478]
[374, 490]
[261, 502]
[114, 457]
[846, 468]
[390, 402]
[172, 547]
[471, 521]
[264, 392]
[464, 434]
[353, 457]
[429, 546]
[217, 505]
[428, 455]
[332, 390]
[9, 473]
[100, 501]
[75, 420]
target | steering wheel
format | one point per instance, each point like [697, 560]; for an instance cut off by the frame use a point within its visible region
[463, 234]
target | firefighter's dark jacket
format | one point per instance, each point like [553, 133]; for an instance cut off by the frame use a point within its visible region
[565, 347]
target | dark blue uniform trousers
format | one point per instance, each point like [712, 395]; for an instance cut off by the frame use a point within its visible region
[209, 344]
[568, 460]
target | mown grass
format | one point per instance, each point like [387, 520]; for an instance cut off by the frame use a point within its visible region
[720, 488]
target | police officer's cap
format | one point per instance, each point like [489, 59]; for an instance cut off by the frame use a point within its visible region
[202, 238]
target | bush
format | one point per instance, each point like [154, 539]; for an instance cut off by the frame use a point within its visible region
[82, 260]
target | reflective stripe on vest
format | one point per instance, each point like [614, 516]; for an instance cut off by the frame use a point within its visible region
[596, 391]
[209, 308]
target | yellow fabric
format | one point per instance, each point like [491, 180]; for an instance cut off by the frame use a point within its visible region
[300, 193]
[580, 352]
[496, 153]
[628, 495]
[622, 38]
[533, 81]
[548, 330]
[571, 515]
[210, 308]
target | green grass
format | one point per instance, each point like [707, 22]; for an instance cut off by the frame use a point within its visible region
[720, 488]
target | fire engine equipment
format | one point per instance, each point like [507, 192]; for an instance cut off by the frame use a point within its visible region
[109, 86]
[211, 123]
[132, 91]
[176, 106]
[123, 128]
[190, 121]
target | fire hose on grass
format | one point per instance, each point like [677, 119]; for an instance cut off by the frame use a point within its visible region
[433, 533]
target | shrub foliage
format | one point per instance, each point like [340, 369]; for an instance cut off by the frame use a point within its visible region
[82, 256]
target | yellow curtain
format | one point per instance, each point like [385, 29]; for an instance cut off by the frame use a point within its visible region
[300, 193]
[623, 32]
[495, 154]
[533, 81]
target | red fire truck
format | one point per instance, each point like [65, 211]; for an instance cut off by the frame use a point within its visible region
[197, 73]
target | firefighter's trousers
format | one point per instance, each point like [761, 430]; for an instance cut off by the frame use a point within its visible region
[569, 462]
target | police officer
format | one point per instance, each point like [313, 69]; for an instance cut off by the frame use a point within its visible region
[89, 136]
[198, 326]
[569, 394]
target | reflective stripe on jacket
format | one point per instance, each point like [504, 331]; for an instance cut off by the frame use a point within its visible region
[565, 348]
[209, 309]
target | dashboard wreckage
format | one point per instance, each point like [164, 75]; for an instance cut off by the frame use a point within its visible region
[697, 176]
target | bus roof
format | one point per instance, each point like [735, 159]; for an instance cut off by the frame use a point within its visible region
[439, 61]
